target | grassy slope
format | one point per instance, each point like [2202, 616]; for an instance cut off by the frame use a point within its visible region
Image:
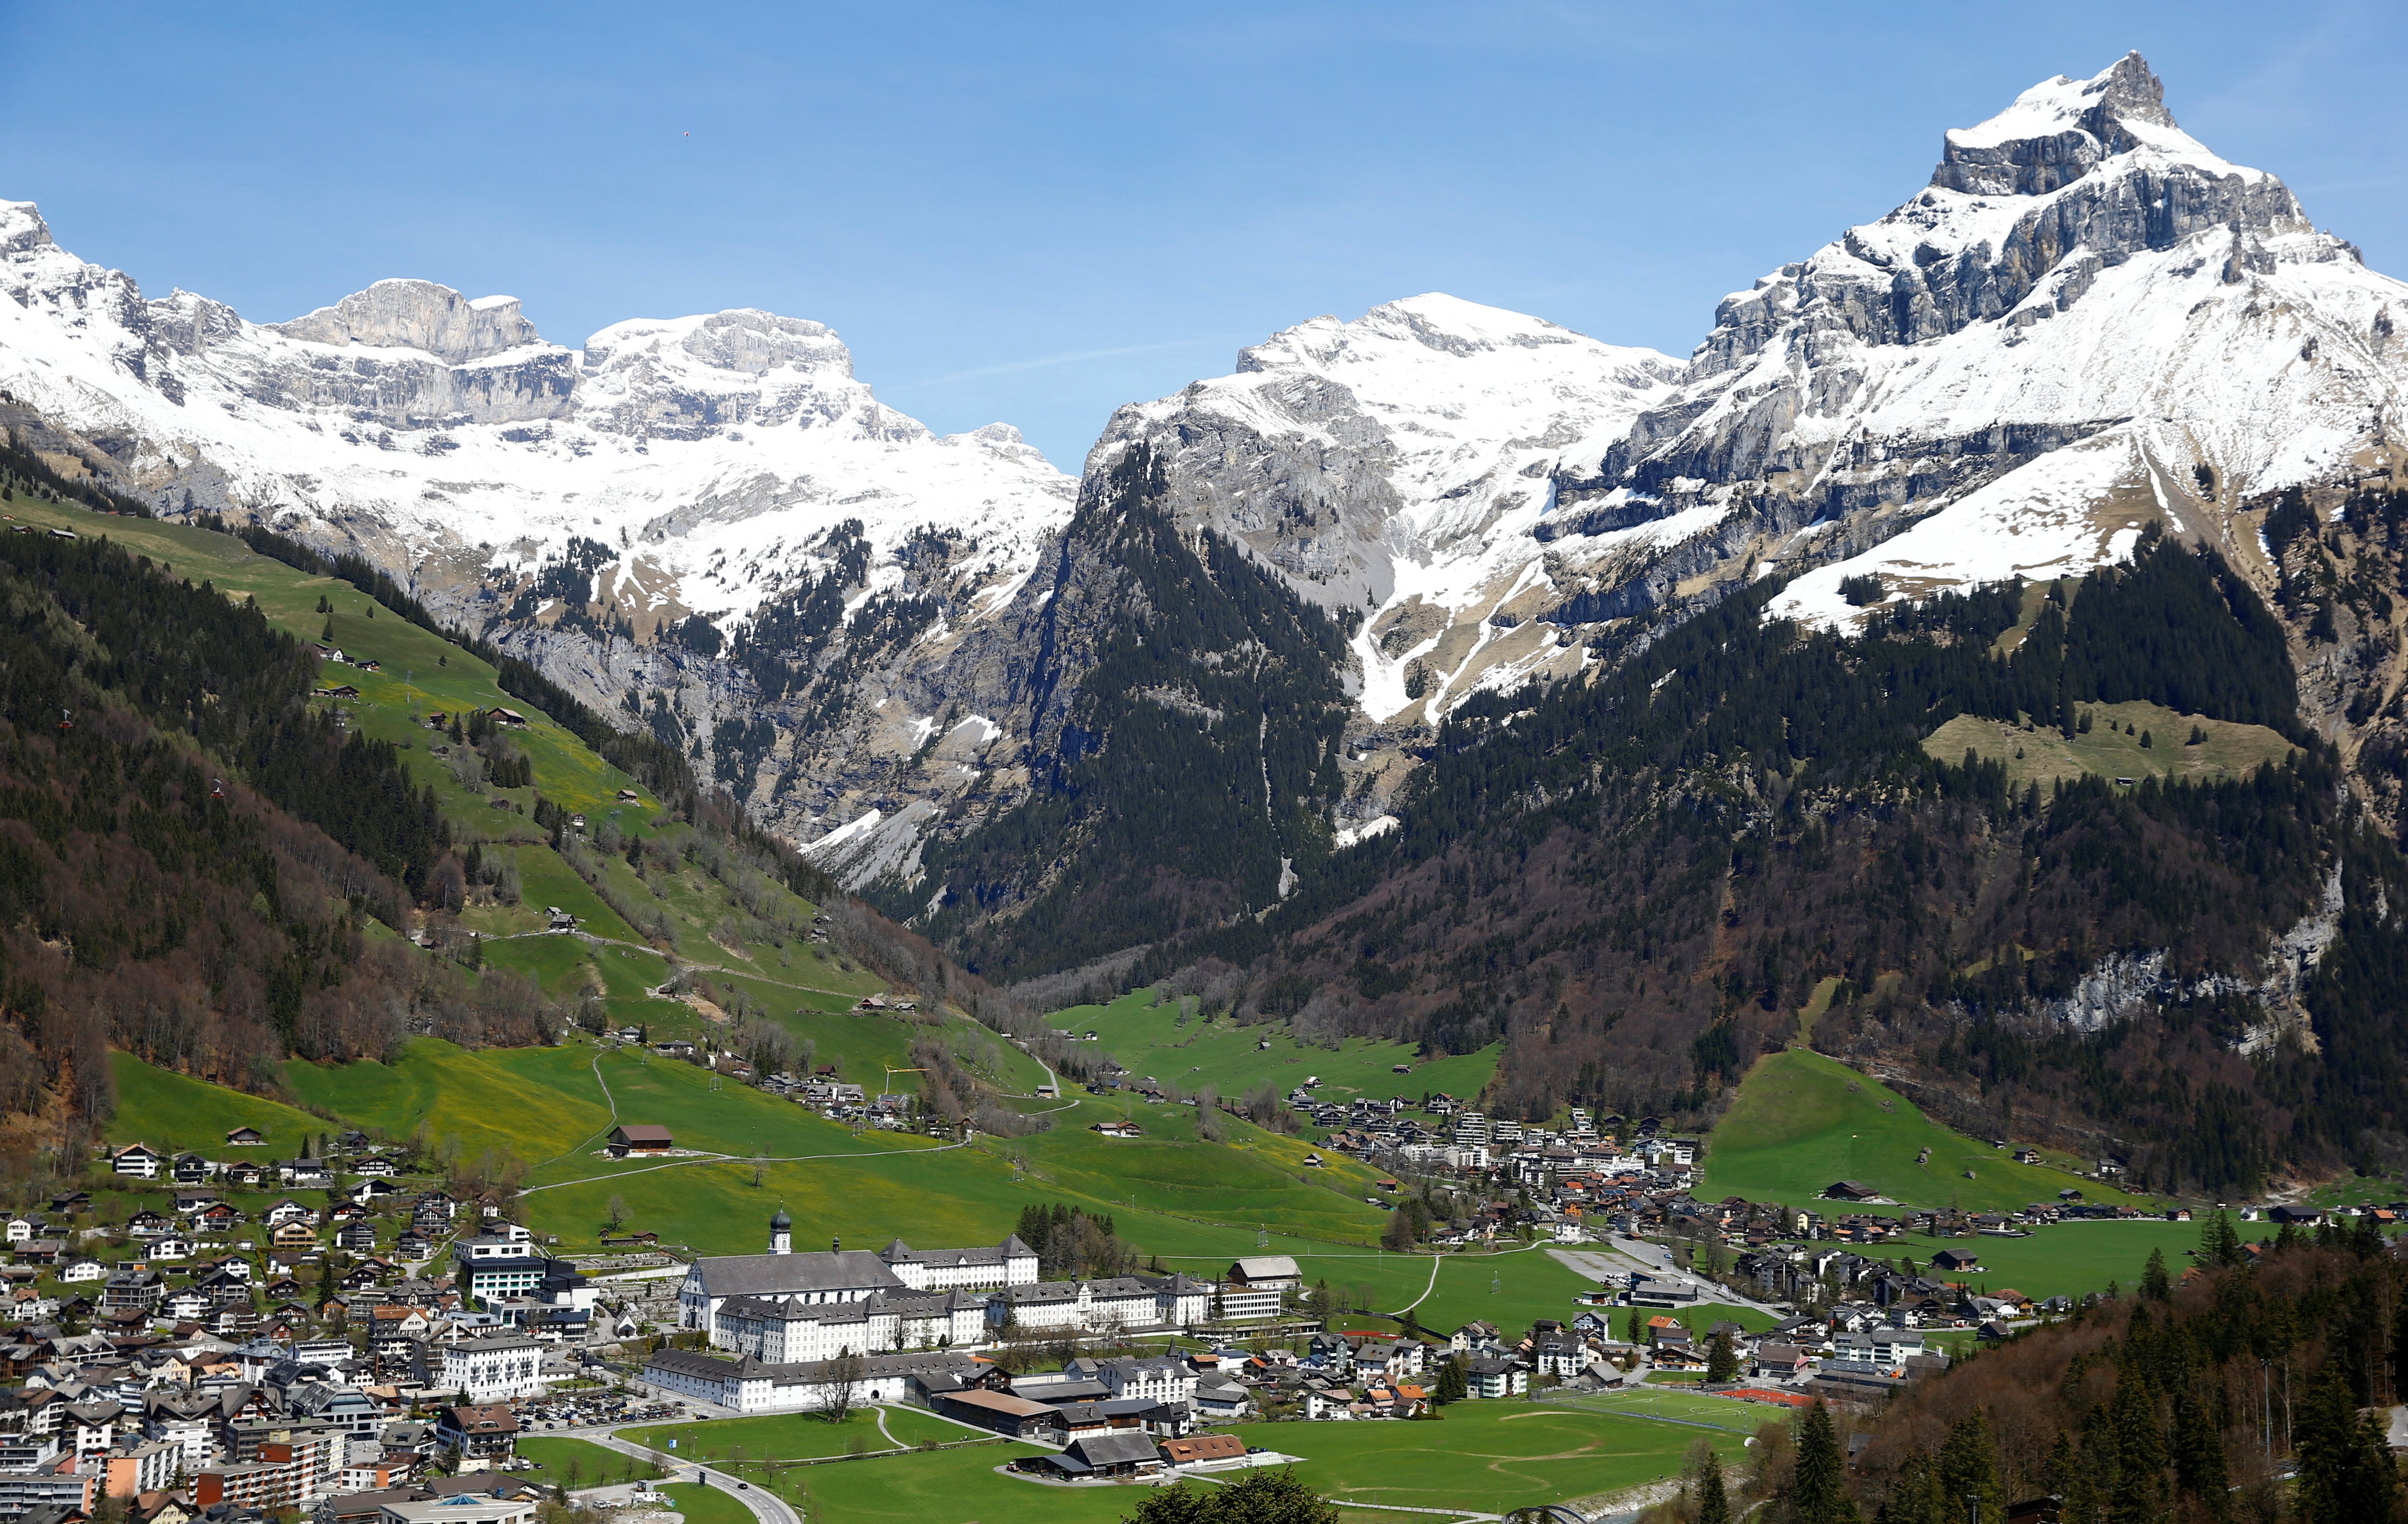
[1801, 1121]
[423, 673]
[1149, 1040]
[2041, 755]
[172, 1112]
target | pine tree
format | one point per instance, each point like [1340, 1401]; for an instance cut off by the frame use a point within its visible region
[1818, 1491]
[2140, 1450]
[2219, 1246]
[1967, 1466]
[1722, 1359]
[2346, 1470]
[1914, 1496]
[1714, 1503]
[2155, 1285]
[2198, 1457]
[1452, 1386]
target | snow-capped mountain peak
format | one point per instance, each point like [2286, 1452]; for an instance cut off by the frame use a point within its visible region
[1394, 467]
[2087, 320]
[714, 453]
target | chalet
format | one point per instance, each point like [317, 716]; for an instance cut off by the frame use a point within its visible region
[245, 1138]
[1118, 1130]
[192, 1169]
[1850, 1191]
[480, 1431]
[1956, 1262]
[340, 690]
[505, 716]
[137, 1161]
[640, 1138]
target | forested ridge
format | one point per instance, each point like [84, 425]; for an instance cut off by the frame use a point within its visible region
[191, 854]
[2249, 1387]
[1639, 882]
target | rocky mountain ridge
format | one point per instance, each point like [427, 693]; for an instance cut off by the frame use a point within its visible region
[890, 644]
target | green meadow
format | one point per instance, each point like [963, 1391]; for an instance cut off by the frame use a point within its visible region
[2112, 748]
[2069, 1258]
[170, 1110]
[1801, 1121]
[1191, 1052]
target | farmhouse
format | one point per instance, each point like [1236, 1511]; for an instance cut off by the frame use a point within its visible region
[640, 1138]
[1850, 1191]
[1270, 1271]
[245, 1138]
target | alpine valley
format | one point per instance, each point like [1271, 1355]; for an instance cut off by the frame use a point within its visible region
[1980, 658]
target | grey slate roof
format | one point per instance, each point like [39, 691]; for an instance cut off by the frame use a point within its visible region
[1116, 1447]
[781, 1274]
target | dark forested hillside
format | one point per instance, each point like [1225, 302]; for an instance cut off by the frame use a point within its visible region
[1181, 777]
[1639, 883]
[194, 864]
[2218, 1393]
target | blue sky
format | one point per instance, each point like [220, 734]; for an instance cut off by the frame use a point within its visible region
[1036, 212]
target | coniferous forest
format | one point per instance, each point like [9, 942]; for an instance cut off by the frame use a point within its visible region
[1637, 883]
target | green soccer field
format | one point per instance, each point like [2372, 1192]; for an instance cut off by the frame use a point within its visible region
[1495, 1457]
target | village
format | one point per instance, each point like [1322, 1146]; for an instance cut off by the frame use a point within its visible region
[367, 1343]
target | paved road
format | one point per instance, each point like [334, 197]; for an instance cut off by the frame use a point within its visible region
[766, 1506]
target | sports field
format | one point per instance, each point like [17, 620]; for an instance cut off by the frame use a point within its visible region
[1801, 1121]
[1491, 1456]
[1494, 1457]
